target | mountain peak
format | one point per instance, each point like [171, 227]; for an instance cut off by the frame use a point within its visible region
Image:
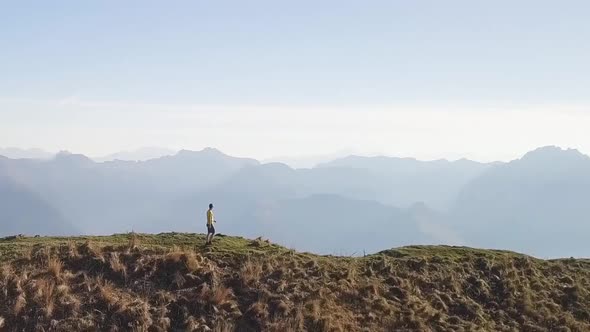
[551, 153]
[206, 151]
[17, 153]
[140, 154]
[68, 157]
[211, 151]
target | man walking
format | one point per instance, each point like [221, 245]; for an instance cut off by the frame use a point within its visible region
[210, 227]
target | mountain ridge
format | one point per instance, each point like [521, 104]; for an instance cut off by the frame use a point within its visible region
[461, 204]
[171, 281]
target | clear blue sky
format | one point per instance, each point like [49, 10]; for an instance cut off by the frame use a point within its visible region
[298, 54]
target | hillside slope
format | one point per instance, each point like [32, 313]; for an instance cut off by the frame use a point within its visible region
[21, 209]
[171, 282]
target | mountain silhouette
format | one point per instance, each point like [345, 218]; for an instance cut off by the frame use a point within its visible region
[24, 212]
[141, 154]
[404, 181]
[537, 204]
[16, 153]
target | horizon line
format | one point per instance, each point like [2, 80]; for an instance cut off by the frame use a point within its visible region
[285, 159]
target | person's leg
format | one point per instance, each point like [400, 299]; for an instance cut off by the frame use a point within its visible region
[212, 233]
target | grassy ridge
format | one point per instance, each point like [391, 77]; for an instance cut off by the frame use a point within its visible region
[12, 248]
[173, 282]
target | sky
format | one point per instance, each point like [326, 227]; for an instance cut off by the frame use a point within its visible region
[429, 79]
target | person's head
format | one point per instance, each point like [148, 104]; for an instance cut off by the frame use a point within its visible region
[210, 206]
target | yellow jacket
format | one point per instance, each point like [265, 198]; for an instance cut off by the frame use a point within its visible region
[210, 217]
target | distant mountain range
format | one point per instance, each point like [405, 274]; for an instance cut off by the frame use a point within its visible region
[16, 153]
[404, 181]
[537, 204]
[141, 154]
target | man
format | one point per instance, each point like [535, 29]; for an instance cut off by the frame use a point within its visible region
[210, 227]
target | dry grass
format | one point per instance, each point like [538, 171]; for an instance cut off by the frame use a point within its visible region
[27, 254]
[133, 241]
[46, 296]
[73, 249]
[192, 261]
[251, 272]
[54, 267]
[91, 250]
[107, 292]
[117, 265]
[224, 326]
[220, 296]
[258, 287]
[19, 305]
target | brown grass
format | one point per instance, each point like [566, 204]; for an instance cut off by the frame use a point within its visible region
[251, 272]
[93, 286]
[45, 296]
[224, 326]
[54, 267]
[19, 305]
[73, 249]
[107, 292]
[117, 265]
[133, 241]
[220, 295]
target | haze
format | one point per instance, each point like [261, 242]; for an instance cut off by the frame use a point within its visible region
[263, 79]
[303, 165]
